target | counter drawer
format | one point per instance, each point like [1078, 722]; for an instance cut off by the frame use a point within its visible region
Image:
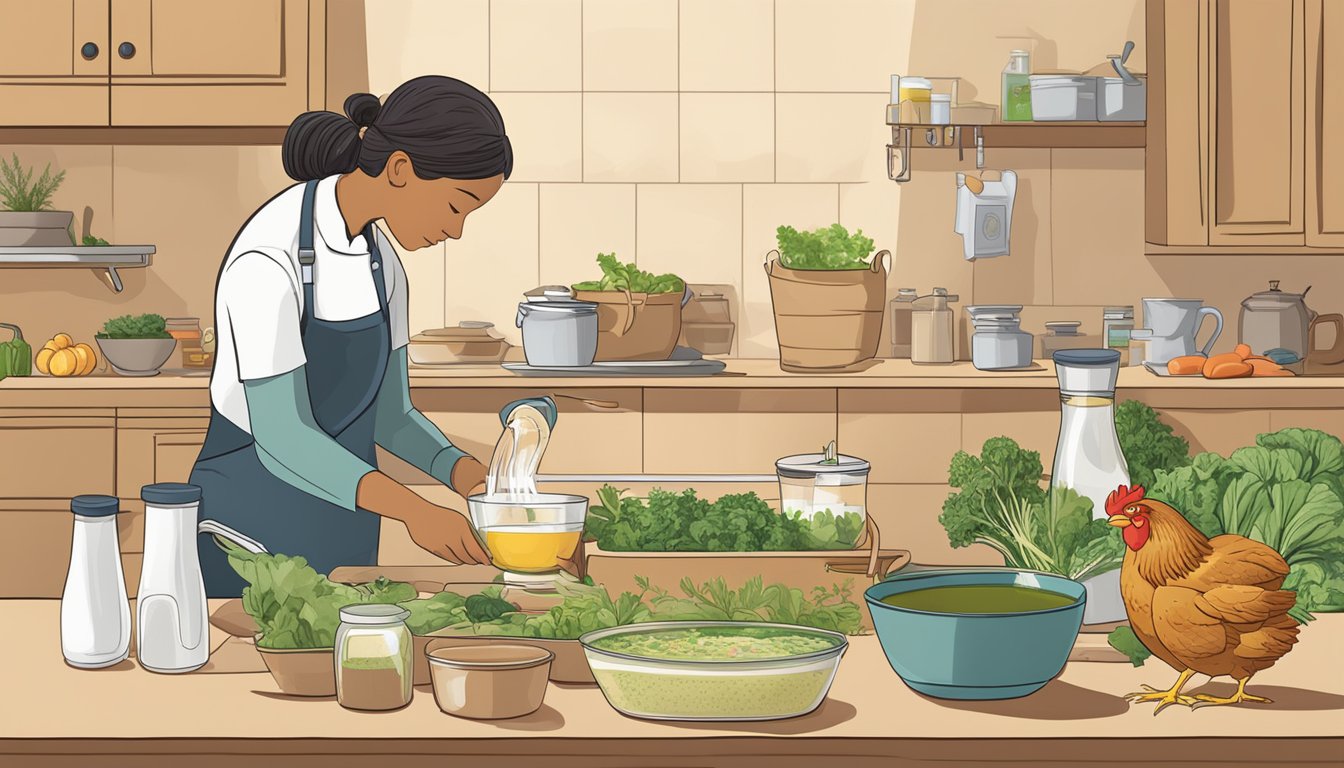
[55, 455]
[156, 450]
[712, 431]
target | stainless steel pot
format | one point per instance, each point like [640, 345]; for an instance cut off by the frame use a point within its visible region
[1281, 326]
[558, 333]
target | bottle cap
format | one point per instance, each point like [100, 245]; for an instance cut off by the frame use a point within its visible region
[170, 493]
[93, 505]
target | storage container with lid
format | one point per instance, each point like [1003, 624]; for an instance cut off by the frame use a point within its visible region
[374, 658]
[558, 332]
[823, 482]
[901, 308]
[172, 629]
[95, 613]
[999, 343]
[1063, 97]
[469, 342]
[931, 328]
[1063, 334]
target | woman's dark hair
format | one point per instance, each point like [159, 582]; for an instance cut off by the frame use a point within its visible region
[448, 128]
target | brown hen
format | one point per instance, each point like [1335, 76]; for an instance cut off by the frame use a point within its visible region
[1207, 606]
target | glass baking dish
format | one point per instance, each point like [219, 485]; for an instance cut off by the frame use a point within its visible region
[772, 688]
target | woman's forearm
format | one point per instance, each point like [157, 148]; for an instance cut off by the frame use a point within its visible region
[404, 431]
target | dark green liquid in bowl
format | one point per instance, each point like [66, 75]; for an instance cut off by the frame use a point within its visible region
[979, 598]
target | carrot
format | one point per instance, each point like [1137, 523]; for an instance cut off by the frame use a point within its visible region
[1229, 370]
[1243, 351]
[1263, 367]
[1217, 360]
[1188, 365]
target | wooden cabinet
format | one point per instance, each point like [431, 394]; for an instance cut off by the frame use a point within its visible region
[162, 62]
[156, 448]
[54, 63]
[55, 453]
[1240, 107]
[241, 63]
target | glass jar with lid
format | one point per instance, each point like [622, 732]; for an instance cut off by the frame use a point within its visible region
[373, 658]
[999, 343]
[812, 483]
[1116, 325]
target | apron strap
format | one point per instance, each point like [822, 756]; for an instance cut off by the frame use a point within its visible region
[376, 264]
[306, 253]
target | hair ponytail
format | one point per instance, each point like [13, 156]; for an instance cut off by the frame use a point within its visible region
[320, 144]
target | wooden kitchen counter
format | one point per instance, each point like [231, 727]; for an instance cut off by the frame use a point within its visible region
[127, 716]
[174, 391]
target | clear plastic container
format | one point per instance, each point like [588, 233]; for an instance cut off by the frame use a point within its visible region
[1015, 93]
[95, 613]
[817, 482]
[373, 658]
[1088, 458]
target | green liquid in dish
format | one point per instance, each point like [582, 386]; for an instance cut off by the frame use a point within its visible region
[979, 598]
[714, 644]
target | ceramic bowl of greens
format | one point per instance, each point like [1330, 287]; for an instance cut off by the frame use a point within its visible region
[976, 634]
[714, 670]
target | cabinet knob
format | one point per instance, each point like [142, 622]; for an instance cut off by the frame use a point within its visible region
[89, 51]
[126, 50]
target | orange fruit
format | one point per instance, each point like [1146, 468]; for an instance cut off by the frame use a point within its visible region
[62, 340]
[64, 363]
[88, 356]
[43, 359]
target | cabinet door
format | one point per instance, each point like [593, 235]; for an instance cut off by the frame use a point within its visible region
[56, 453]
[157, 450]
[184, 62]
[1325, 123]
[54, 63]
[1257, 103]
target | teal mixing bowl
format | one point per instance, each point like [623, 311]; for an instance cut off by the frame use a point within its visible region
[976, 656]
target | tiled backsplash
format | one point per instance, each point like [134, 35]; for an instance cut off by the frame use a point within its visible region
[680, 134]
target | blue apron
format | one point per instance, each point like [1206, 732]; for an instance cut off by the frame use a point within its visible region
[346, 363]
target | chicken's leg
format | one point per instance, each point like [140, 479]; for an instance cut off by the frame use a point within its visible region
[1206, 700]
[1166, 698]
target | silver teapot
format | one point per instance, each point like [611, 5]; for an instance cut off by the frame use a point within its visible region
[1280, 326]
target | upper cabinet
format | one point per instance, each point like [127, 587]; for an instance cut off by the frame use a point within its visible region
[163, 62]
[54, 62]
[1241, 99]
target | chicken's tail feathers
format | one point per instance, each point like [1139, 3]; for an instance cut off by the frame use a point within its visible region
[1122, 497]
[1270, 642]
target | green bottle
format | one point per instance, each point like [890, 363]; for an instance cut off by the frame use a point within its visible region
[1015, 102]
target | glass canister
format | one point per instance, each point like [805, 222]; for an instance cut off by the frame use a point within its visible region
[999, 343]
[373, 658]
[1116, 325]
[811, 483]
[1088, 458]
[187, 331]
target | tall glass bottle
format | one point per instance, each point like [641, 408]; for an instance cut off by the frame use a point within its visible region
[1015, 98]
[1088, 458]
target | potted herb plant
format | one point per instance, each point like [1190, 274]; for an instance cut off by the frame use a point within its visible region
[638, 313]
[828, 291]
[136, 345]
[27, 218]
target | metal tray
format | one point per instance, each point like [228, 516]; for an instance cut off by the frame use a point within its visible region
[624, 368]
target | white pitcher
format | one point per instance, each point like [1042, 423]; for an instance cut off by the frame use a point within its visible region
[1170, 327]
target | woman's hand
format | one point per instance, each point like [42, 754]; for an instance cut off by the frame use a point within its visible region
[443, 531]
[446, 533]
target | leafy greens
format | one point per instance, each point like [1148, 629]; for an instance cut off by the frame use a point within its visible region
[587, 608]
[148, 326]
[1286, 491]
[1148, 443]
[1000, 503]
[825, 248]
[741, 522]
[297, 607]
[628, 277]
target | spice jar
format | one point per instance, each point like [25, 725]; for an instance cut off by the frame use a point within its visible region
[187, 331]
[1116, 325]
[373, 658]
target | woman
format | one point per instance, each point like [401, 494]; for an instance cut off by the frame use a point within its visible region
[311, 330]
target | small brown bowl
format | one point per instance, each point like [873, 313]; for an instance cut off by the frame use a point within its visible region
[489, 682]
[302, 671]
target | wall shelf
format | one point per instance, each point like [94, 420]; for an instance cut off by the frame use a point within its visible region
[103, 258]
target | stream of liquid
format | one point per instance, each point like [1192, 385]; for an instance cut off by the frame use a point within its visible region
[513, 467]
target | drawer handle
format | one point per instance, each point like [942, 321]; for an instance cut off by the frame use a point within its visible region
[126, 50]
[89, 51]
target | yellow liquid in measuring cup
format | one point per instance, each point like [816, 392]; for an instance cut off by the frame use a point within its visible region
[531, 548]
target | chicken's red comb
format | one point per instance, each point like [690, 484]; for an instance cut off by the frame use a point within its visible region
[1122, 497]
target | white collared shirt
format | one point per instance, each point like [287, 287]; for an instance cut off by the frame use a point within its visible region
[259, 297]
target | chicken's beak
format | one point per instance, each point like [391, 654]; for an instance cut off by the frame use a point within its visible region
[1119, 521]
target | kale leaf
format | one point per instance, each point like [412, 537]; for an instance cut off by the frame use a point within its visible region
[1148, 443]
[628, 277]
[830, 248]
[148, 326]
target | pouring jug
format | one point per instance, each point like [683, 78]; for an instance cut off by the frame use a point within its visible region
[1281, 326]
[1171, 326]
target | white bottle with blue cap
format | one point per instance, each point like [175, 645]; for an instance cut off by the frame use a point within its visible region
[95, 613]
[172, 620]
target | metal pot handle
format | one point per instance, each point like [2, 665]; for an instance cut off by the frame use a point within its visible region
[522, 313]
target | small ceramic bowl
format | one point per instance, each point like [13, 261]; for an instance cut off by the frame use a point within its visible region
[489, 682]
[136, 357]
[302, 672]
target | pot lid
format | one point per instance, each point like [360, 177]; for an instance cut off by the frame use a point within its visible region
[558, 306]
[467, 330]
[1274, 298]
[993, 311]
[550, 293]
[828, 462]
